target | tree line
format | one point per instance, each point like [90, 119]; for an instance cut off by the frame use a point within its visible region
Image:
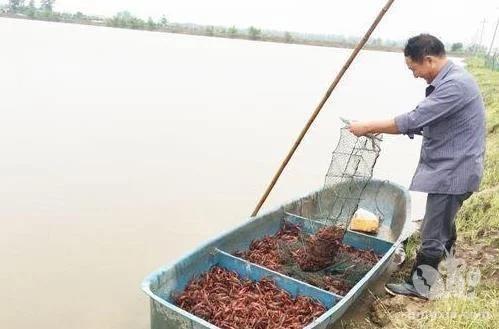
[45, 11]
[124, 19]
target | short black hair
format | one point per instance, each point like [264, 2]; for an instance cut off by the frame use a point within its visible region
[423, 45]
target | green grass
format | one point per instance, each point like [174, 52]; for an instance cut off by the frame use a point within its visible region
[489, 85]
[480, 214]
[410, 248]
[412, 245]
[479, 312]
[491, 175]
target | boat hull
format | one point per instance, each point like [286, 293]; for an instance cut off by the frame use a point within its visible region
[389, 199]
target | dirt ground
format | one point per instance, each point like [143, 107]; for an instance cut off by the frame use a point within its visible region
[376, 308]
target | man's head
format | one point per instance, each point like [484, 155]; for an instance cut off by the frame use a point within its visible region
[425, 56]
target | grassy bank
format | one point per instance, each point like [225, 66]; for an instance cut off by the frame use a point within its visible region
[480, 214]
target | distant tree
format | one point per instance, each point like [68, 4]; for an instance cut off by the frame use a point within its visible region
[392, 43]
[31, 10]
[209, 30]
[163, 22]
[376, 42]
[79, 15]
[15, 5]
[254, 33]
[232, 31]
[151, 25]
[126, 20]
[458, 46]
[352, 40]
[288, 37]
[47, 5]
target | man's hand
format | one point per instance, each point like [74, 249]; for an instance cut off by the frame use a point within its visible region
[359, 128]
[363, 128]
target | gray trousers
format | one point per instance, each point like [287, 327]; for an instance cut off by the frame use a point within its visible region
[438, 230]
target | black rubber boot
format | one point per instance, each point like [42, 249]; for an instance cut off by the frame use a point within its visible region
[432, 261]
[404, 289]
[424, 280]
[427, 276]
[418, 261]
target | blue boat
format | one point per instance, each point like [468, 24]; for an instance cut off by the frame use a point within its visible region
[382, 197]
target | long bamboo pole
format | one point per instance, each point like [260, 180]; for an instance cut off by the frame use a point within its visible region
[321, 104]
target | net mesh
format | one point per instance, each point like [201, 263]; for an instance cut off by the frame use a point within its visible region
[317, 255]
[350, 171]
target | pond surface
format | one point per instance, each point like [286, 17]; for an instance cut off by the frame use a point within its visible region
[122, 150]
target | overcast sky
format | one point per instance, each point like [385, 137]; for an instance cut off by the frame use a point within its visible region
[451, 20]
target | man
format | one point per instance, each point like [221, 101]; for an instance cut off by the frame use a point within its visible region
[451, 120]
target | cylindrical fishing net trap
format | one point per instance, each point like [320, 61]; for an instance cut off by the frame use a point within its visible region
[315, 253]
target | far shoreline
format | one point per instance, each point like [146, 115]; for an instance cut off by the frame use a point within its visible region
[264, 38]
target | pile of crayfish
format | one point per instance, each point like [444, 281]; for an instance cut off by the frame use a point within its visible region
[224, 299]
[310, 253]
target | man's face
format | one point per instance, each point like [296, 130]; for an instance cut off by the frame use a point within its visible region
[421, 70]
